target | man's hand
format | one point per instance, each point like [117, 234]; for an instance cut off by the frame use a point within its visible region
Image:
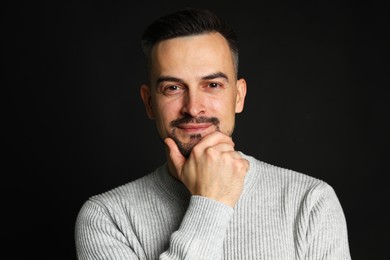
[213, 170]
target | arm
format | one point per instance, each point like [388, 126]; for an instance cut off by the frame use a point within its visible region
[214, 174]
[202, 231]
[200, 235]
[322, 229]
[97, 236]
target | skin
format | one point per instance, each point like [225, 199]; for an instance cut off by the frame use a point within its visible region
[193, 77]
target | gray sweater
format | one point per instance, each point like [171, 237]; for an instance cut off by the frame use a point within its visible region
[281, 214]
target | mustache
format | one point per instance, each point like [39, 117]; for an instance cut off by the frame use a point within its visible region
[194, 120]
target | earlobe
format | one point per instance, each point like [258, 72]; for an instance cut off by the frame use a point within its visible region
[147, 99]
[241, 93]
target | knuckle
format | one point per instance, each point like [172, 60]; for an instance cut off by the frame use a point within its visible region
[242, 166]
[211, 152]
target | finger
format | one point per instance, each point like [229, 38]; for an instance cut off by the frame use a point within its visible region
[222, 147]
[174, 154]
[215, 138]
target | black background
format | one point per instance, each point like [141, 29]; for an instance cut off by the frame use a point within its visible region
[73, 124]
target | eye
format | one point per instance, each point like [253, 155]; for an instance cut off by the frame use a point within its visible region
[214, 85]
[172, 90]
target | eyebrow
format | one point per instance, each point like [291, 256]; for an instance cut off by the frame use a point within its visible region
[169, 78]
[207, 77]
[215, 76]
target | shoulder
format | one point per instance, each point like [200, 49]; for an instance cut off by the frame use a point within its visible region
[271, 173]
[127, 196]
[287, 182]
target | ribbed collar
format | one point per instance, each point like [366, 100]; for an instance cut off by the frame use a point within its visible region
[170, 186]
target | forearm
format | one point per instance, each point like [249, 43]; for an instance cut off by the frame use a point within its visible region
[202, 231]
[200, 234]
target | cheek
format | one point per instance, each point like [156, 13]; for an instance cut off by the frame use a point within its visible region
[223, 107]
[166, 112]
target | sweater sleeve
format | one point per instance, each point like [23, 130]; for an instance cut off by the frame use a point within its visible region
[97, 236]
[202, 231]
[200, 235]
[321, 230]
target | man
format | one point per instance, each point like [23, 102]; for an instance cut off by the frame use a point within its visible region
[208, 201]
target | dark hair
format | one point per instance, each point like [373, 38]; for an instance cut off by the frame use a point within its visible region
[188, 22]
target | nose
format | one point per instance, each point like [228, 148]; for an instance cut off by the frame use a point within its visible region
[193, 104]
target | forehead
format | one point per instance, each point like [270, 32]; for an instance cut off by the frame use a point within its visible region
[195, 55]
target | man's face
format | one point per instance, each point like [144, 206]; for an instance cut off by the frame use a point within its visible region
[193, 89]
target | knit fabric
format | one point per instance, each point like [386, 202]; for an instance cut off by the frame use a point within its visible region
[281, 214]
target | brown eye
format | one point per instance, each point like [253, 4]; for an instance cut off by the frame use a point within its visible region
[214, 85]
[172, 90]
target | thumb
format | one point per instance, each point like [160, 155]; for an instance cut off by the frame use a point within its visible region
[176, 159]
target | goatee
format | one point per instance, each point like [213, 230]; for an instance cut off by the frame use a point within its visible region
[186, 148]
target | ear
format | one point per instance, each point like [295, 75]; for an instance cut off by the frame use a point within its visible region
[241, 93]
[147, 99]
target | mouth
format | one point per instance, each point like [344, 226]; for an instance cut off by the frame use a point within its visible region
[188, 129]
[187, 132]
[194, 128]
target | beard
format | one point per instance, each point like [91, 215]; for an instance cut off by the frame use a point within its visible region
[185, 148]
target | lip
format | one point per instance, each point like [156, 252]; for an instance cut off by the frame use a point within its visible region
[194, 128]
